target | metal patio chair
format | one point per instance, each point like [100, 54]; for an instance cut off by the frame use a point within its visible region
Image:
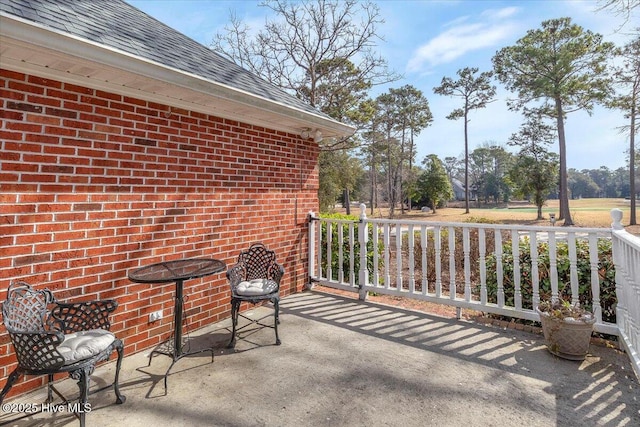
[255, 278]
[51, 337]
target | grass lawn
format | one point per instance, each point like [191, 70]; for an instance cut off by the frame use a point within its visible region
[585, 213]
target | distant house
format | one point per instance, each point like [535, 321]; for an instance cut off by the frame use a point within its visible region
[123, 143]
[458, 189]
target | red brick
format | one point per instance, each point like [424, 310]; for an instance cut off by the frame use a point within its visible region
[114, 184]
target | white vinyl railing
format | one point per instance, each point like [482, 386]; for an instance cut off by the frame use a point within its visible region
[493, 268]
[626, 256]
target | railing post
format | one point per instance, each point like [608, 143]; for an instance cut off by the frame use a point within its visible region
[618, 262]
[363, 238]
[616, 216]
[312, 240]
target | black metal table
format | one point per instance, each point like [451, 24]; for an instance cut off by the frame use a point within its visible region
[177, 271]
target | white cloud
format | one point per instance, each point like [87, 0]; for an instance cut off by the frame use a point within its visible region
[462, 38]
[503, 13]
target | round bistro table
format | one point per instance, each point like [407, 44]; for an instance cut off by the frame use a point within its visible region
[176, 271]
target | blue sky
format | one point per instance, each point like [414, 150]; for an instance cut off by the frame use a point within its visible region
[427, 40]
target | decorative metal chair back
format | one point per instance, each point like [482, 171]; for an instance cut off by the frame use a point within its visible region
[258, 263]
[26, 318]
[25, 309]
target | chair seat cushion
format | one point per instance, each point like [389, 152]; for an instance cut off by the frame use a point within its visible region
[256, 287]
[84, 344]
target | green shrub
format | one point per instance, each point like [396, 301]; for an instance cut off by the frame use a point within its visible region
[606, 275]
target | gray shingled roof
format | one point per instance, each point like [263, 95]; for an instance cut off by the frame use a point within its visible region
[120, 26]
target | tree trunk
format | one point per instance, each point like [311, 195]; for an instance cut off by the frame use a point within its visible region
[466, 166]
[632, 166]
[347, 201]
[563, 193]
[374, 185]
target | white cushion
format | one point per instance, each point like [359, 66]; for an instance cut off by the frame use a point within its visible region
[84, 344]
[256, 287]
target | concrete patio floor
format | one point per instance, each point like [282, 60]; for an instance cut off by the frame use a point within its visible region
[344, 362]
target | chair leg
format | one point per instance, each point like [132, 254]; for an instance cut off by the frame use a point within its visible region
[83, 385]
[13, 377]
[276, 318]
[235, 308]
[50, 388]
[116, 387]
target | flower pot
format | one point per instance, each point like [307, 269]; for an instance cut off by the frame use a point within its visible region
[567, 338]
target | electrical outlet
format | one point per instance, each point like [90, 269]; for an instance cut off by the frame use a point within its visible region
[156, 315]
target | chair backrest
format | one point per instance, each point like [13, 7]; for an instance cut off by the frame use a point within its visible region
[25, 309]
[258, 262]
[26, 317]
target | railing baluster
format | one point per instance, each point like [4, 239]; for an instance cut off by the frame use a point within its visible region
[387, 250]
[467, 263]
[553, 265]
[424, 240]
[573, 267]
[535, 278]
[376, 261]
[499, 269]
[352, 264]
[438, 244]
[398, 257]
[341, 252]
[452, 263]
[595, 280]
[483, 265]
[329, 253]
[515, 250]
[412, 274]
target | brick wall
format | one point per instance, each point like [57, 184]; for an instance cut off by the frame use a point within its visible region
[95, 184]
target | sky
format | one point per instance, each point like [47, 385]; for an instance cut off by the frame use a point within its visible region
[426, 40]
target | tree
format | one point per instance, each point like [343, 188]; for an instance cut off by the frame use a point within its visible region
[535, 171]
[434, 183]
[413, 115]
[453, 166]
[400, 115]
[581, 185]
[348, 103]
[627, 79]
[602, 178]
[371, 152]
[562, 66]
[321, 51]
[476, 92]
[335, 180]
[392, 151]
[488, 166]
[310, 46]
[622, 8]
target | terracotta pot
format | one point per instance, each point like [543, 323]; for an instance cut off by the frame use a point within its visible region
[567, 338]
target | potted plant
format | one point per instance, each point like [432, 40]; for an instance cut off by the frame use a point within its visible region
[567, 328]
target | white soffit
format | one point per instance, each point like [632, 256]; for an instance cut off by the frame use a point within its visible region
[32, 49]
